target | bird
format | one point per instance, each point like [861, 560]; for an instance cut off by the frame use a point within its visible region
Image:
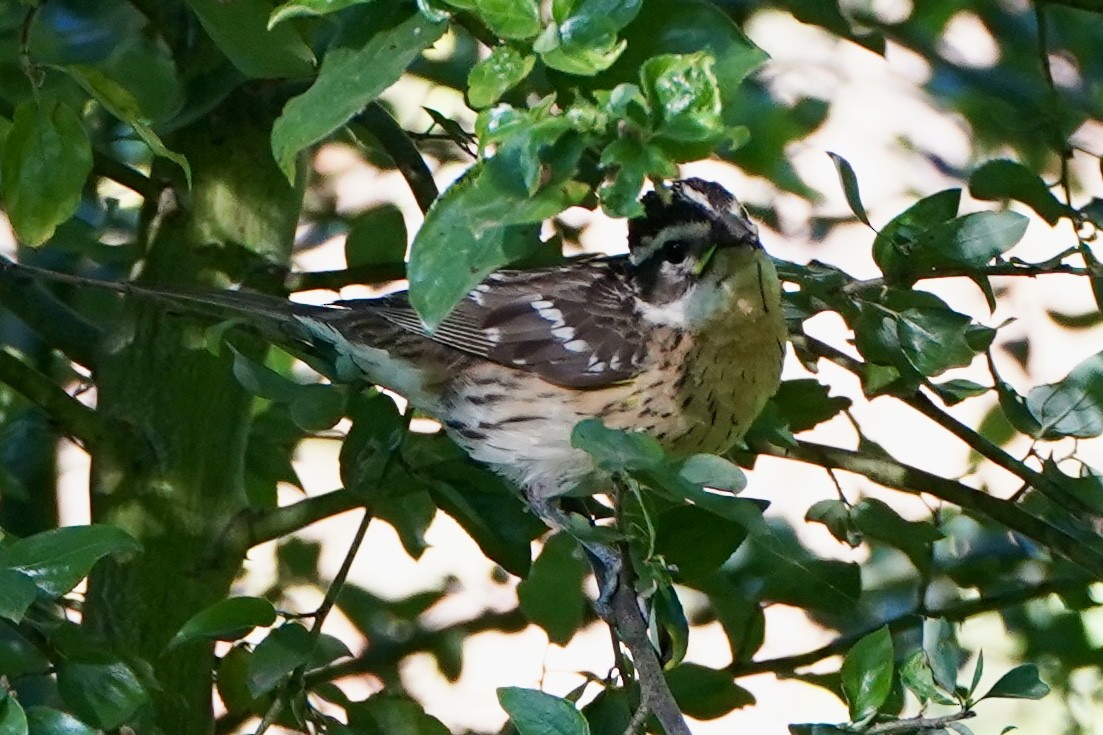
[683, 338]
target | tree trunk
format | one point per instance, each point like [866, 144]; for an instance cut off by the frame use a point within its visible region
[179, 487]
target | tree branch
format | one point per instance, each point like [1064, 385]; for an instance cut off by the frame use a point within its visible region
[107, 167]
[400, 148]
[60, 326]
[251, 528]
[915, 724]
[72, 417]
[906, 621]
[898, 476]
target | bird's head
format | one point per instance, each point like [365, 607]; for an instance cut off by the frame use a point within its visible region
[688, 233]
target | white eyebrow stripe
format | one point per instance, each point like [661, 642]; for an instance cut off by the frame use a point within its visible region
[681, 231]
[697, 197]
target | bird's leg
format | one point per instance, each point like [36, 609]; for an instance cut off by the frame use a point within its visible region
[606, 561]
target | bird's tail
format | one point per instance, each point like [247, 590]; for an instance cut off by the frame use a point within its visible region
[276, 319]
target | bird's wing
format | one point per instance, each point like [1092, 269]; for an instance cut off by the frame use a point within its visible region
[574, 327]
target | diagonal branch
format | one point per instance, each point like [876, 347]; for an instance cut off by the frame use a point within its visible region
[906, 478]
[250, 528]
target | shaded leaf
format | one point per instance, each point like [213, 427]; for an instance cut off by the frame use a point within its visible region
[849, 181]
[103, 694]
[1073, 406]
[943, 653]
[709, 470]
[705, 693]
[893, 246]
[47, 721]
[876, 519]
[57, 560]
[226, 620]
[695, 542]
[13, 720]
[1002, 179]
[17, 593]
[376, 236]
[391, 714]
[282, 651]
[241, 31]
[309, 8]
[614, 450]
[551, 595]
[1022, 682]
[916, 675]
[836, 516]
[533, 712]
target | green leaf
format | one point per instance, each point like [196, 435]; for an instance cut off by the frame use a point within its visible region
[47, 721]
[57, 560]
[284, 649]
[915, 674]
[849, 180]
[695, 542]
[376, 433]
[836, 516]
[391, 714]
[105, 695]
[805, 403]
[684, 96]
[117, 100]
[893, 245]
[867, 674]
[240, 30]
[501, 71]
[708, 470]
[376, 237]
[633, 161]
[934, 340]
[226, 620]
[17, 593]
[13, 720]
[514, 19]
[969, 241]
[615, 450]
[489, 511]
[352, 74]
[317, 406]
[957, 390]
[943, 653]
[876, 519]
[46, 160]
[1002, 179]
[308, 9]
[533, 712]
[1073, 406]
[1022, 682]
[551, 596]
[670, 618]
[472, 229]
[705, 693]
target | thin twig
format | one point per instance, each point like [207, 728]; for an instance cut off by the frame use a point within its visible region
[917, 724]
[251, 528]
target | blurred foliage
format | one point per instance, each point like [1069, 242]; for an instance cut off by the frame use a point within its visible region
[128, 143]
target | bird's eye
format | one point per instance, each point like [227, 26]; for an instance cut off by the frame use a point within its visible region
[675, 251]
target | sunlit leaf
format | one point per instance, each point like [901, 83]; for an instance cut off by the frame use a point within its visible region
[533, 712]
[58, 559]
[227, 620]
[867, 674]
[240, 29]
[1022, 682]
[1002, 179]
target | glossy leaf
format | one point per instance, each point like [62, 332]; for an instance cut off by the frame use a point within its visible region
[615, 450]
[533, 712]
[806, 403]
[943, 653]
[1002, 179]
[352, 74]
[836, 516]
[1022, 682]
[284, 649]
[57, 560]
[514, 19]
[893, 245]
[551, 595]
[867, 674]
[969, 241]
[103, 694]
[876, 519]
[705, 693]
[121, 103]
[227, 620]
[935, 340]
[1073, 406]
[495, 75]
[695, 542]
[47, 721]
[849, 181]
[916, 675]
[13, 720]
[46, 160]
[17, 593]
[685, 97]
[240, 29]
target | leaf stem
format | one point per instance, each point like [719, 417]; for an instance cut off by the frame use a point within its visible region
[400, 148]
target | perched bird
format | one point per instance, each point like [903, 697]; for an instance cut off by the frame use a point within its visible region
[683, 337]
